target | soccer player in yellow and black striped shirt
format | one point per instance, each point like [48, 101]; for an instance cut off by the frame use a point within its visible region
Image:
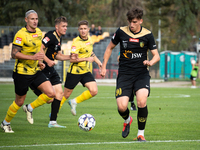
[26, 51]
[79, 70]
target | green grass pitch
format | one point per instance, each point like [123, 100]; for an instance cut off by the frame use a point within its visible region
[173, 122]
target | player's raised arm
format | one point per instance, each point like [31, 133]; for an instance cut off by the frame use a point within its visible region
[106, 57]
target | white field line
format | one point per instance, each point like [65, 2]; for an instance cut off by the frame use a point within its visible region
[100, 143]
[164, 96]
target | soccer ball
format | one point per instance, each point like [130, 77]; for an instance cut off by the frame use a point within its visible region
[86, 122]
[193, 61]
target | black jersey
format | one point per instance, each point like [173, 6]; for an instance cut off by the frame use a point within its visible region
[52, 42]
[133, 49]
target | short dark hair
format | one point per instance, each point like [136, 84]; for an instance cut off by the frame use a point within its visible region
[83, 22]
[135, 12]
[60, 19]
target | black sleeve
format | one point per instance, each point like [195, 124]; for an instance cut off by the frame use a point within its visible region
[116, 37]
[151, 42]
[48, 39]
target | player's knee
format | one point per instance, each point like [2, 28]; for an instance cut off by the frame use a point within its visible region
[122, 108]
[51, 94]
[20, 103]
[66, 95]
[59, 95]
[142, 104]
[50, 101]
[94, 92]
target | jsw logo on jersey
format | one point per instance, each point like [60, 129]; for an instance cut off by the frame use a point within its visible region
[130, 55]
[136, 55]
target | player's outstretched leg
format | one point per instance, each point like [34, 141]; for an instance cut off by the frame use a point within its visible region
[55, 125]
[6, 128]
[126, 128]
[12, 110]
[141, 117]
[42, 99]
[72, 104]
[54, 113]
[29, 116]
[127, 122]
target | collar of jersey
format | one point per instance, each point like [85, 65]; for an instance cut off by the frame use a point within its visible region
[82, 39]
[56, 33]
[137, 32]
[30, 31]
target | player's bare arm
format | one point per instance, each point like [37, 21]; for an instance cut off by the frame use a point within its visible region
[41, 65]
[74, 56]
[106, 57]
[15, 50]
[16, 54]
[154, 60]
[62, 57]
[49, 62]
[96, 60]
[90, 59]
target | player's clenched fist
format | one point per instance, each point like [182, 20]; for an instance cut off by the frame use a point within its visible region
[38, 56]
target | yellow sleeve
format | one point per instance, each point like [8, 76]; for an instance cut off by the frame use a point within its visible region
[75, 47]
[19, 39]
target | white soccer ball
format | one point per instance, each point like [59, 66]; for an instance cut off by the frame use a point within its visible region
[86, 122]
[193, 62]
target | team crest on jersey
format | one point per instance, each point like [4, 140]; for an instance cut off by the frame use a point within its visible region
[73, 48]
[113, 36]
[124, 44]
[35, 35]
[18, 40]
[46, 40]
[142, 44]
[88, 43]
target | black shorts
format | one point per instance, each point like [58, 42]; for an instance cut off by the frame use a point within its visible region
[126, 84]
[22, 82]
[73, 79]
[193, 78]
[54, 78]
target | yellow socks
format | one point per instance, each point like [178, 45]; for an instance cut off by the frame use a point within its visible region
[62, 102]
[42, 99]
[12, 110]
[84, 96]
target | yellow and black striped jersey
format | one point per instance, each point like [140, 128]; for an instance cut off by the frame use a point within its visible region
[30, 42]
[84, 49]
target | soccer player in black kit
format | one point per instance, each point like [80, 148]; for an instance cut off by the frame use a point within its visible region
[51, 45]
[135, 41]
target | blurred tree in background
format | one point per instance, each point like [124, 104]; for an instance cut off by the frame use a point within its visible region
[180, 19]
[180, 22]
